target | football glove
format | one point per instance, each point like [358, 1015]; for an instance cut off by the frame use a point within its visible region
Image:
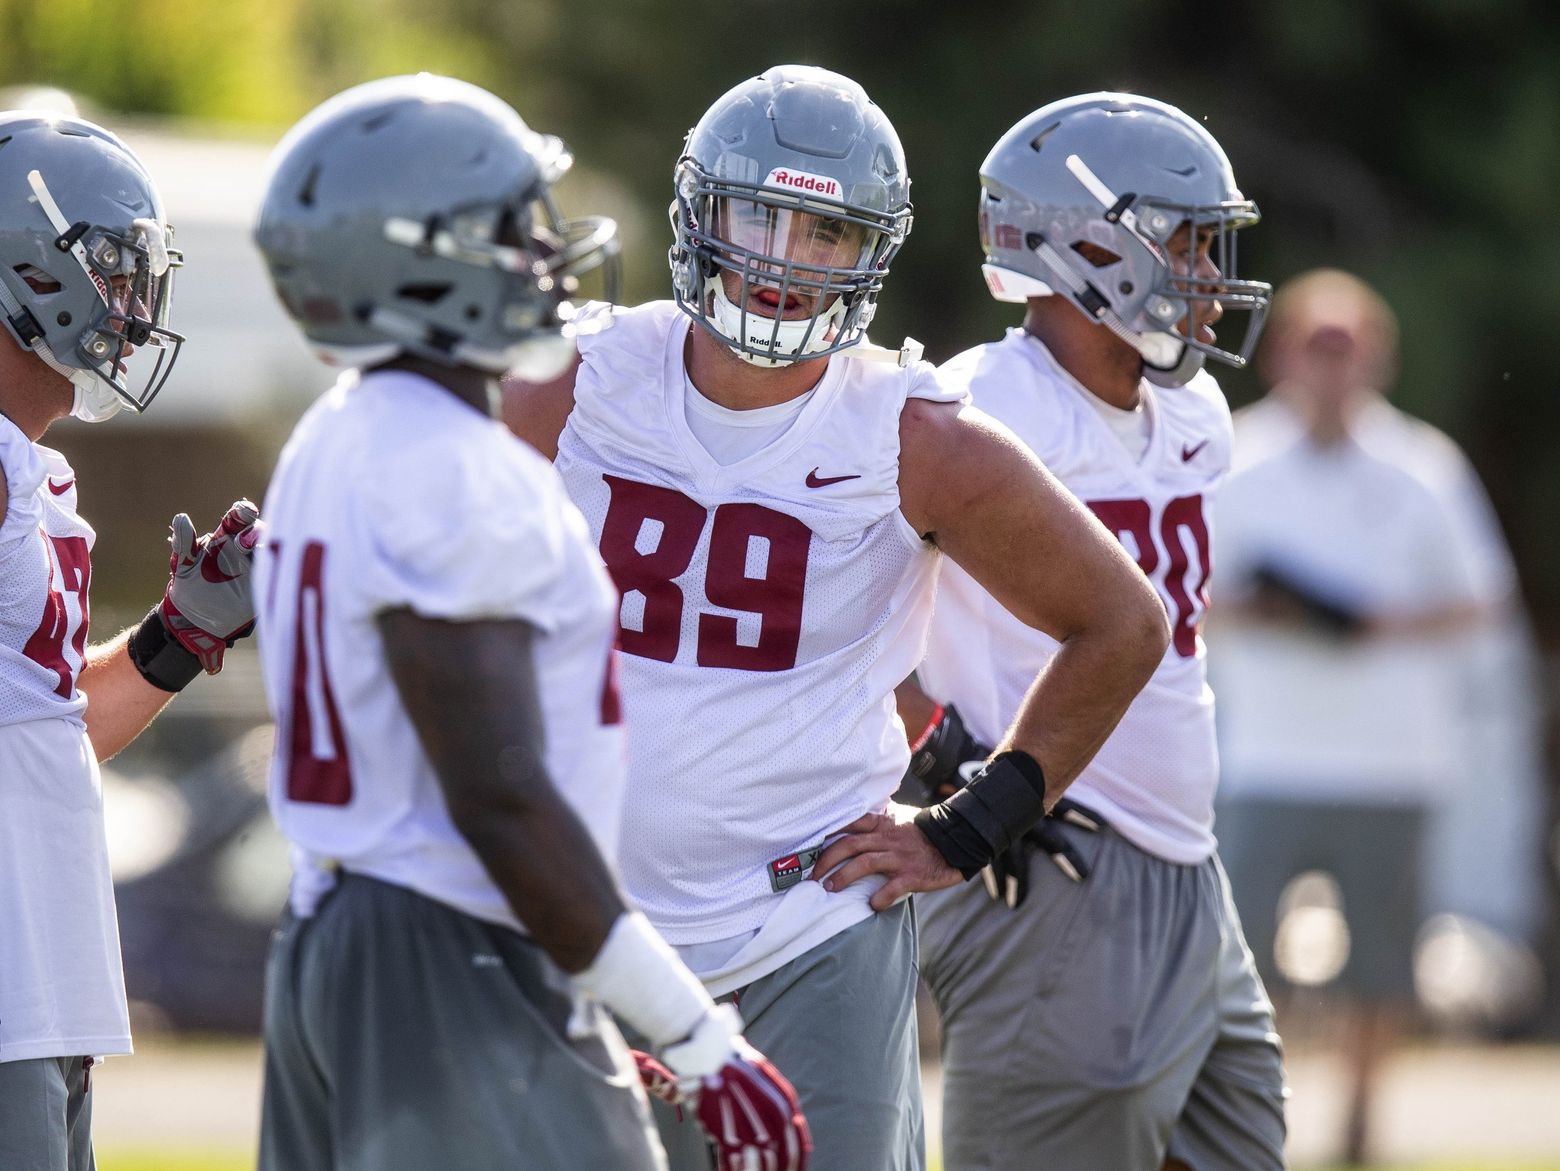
[747, 1108]
[945, 761]
[659, 1082]
[209, 605]
[1007, 878]
[946, 757]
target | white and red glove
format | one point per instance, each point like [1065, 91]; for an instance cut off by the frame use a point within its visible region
[658, 1081]
[209, 605]
[746, 1106]
[748, 1110]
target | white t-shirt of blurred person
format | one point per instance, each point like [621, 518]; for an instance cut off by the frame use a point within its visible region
[1382, 523]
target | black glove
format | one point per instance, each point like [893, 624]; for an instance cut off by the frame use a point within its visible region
[1007, 878]
[936, 762]
[943, 763]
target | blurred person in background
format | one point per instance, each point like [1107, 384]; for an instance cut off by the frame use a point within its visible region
[1359, 557]
[773, 495]
[1099, 1008]
[86, 268]
[438, 650]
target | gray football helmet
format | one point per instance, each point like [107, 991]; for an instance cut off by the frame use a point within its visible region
[414, 216]
[86, 261]
[1122, 173]
[791, 201]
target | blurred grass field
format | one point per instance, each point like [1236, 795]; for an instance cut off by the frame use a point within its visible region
[143, 1160]
[185, 1104]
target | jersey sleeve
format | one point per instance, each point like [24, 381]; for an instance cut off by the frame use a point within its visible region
[477, 535]
[24, 472]
[934, 385]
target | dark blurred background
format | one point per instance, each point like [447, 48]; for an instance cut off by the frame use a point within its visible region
[1414, 142]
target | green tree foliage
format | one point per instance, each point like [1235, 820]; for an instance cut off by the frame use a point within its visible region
[1416, 142]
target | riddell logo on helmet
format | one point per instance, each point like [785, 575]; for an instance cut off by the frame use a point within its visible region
[802, 181]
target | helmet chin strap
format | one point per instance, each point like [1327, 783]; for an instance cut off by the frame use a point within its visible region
[1181, 373]
[788, 336]
[93, 400]
[1158, 367]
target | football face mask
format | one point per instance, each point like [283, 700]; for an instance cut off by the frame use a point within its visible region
[115, 286]
[780, 279]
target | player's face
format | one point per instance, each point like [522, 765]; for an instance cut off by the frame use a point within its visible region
[1193, 258]
[813, 246]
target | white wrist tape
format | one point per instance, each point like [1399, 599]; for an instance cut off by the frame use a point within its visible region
[640, 978]
[714, 1042]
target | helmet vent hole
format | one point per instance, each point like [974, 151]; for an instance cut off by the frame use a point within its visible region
[427, 293]
[37, 280]
[1095, 255]
[306, 192]
[473, 312]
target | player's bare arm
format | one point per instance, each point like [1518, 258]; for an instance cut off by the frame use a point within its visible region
[1013, 527]
[1027, 541]
[120, 702]
[537, 411]
[207, 607]
[470, 690]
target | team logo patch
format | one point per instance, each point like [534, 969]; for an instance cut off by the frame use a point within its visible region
[786, 872]
[804, 181]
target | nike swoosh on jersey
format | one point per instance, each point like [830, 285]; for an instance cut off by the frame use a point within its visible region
[1187, 453]
[815, 481]
[61, 489]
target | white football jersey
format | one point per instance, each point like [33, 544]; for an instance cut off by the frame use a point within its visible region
[45, 571]
[390, 494]
[62, 990]
[770, 606]
[1154, 778]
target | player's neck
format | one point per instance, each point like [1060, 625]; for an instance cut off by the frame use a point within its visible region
[32, 396]
[1105, 365]
[476, 388]
[728, 381]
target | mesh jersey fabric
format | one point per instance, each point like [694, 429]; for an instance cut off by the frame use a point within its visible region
[770, 606]
[45, 574]
[390, 494]
[1155, 777]
[62, 987]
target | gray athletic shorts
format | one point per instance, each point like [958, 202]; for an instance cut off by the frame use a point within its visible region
[46, 1115]
[1103, 1026]
[839, 1022]
[403, 1035]
[1371, 850]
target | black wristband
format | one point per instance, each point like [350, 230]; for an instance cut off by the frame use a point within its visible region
[988, 815]
[161, 658]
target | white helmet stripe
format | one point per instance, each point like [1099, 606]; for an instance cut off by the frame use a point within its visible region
[62, 226]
